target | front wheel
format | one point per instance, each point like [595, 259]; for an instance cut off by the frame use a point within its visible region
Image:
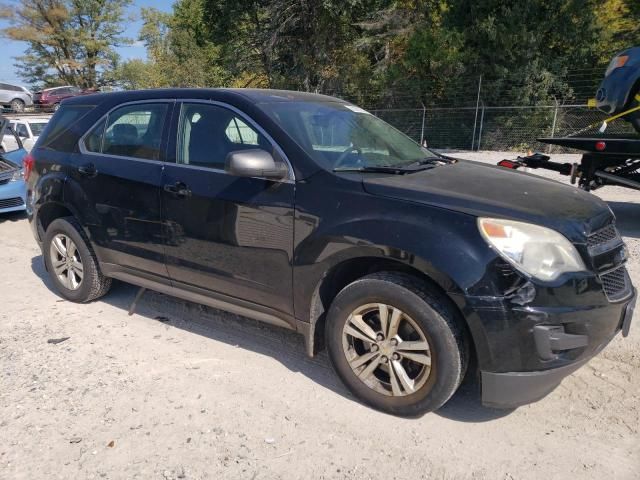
[71, 263]
[397, 346]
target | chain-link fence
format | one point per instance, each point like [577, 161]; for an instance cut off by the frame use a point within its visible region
[499, 128]
[471, 121]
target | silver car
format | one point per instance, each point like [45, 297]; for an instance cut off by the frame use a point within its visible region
[14, 97]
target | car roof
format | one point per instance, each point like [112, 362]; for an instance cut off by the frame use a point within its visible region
[59, 86]
[253, 95]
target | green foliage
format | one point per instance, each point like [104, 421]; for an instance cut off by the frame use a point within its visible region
[386, 51]
[69, 41]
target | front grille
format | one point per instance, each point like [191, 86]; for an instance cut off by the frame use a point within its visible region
[602, 237]
[615, 283]
[11, 202]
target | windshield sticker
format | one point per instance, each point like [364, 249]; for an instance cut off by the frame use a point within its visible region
[353, 108]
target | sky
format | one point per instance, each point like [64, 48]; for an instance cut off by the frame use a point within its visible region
[12, 49]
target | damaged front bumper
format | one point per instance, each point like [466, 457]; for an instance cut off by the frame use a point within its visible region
[524, 351]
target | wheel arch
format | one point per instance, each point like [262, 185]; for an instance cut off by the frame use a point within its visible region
[347, 271]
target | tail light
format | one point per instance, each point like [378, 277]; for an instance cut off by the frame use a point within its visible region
[27, 165]
[509, 164]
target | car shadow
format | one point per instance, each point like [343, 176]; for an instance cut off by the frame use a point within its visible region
[13, 216]
[283, 345]
[627, 218]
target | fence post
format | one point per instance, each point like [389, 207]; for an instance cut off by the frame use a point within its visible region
[475, 120]
[481, 124]
[553, 126]
[424, 113]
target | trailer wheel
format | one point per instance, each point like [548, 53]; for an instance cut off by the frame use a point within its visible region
[634, 118]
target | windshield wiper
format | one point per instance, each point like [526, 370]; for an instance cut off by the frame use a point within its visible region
[431, 161]
[378, 169]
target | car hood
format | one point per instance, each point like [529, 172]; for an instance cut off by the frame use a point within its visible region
[490, 191]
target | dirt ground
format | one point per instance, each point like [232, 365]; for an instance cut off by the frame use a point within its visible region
[183, 391]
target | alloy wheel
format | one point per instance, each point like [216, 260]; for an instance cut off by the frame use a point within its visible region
[66, 261]
[386, 349]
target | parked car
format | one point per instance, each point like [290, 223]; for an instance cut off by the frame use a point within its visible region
[28, 128]
[621, 85]
[14, 97]
[50, 98]
[12, 185]
[307, 212]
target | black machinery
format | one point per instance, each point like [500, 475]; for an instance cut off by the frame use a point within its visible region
[606, 161]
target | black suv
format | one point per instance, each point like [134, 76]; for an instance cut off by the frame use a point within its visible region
[307, 212]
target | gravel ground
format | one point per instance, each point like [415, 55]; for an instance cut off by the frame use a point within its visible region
[183, 391]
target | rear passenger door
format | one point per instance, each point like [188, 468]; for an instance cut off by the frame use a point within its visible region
[116, 183]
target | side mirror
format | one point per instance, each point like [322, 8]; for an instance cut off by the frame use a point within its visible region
[255, 163]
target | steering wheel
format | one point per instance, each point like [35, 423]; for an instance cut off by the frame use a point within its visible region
[345, 154]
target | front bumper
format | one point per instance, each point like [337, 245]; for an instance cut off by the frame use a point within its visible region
[13, 196]
[524, 352]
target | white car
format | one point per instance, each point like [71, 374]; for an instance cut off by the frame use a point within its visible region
[28, 129]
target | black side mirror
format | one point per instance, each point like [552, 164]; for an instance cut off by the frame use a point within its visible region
[255, 163]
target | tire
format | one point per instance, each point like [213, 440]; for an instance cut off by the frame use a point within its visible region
[17, 105]
[426, 316]
[634, 118]
[56, 106]
[92, 284]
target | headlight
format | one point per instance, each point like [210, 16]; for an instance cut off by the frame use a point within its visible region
[617, 62]
[17, 175]
[534, 250]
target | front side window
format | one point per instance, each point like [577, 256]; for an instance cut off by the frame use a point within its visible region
[131, 131]
[208, 133]
[22, 131]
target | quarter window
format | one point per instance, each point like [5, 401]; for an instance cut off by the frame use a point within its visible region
[208, 133]
[131, 131]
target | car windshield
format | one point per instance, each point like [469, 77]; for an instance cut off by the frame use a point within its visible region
[343, 136]
[37, 127]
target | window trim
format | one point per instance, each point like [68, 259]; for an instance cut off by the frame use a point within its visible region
[105, 118]
[291, 178]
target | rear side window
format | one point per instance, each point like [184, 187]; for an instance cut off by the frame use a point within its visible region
[130, 131]
[61, 133]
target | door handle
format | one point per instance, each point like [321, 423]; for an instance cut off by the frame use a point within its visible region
[178, 189]
[88, 170]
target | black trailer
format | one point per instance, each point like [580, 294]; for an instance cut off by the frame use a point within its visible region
[606, 161]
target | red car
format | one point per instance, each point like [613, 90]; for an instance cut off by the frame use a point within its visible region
[50, 98]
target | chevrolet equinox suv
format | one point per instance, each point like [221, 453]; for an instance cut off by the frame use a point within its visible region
[307, 212]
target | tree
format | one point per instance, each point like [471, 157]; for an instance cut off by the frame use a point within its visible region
[179, 51]
[69, 41]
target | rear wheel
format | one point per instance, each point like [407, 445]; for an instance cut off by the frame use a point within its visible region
[17, 105]
[56, 106]
[396, 346]
[71, 262]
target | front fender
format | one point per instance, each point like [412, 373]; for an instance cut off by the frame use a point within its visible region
[443, 245]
